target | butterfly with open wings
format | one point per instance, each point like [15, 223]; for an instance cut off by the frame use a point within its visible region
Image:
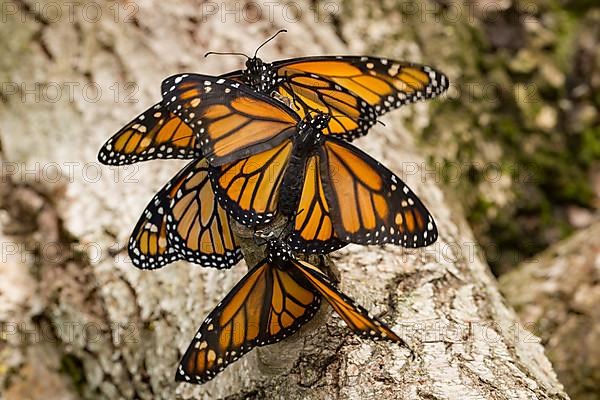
[272, 301]
[353, 90]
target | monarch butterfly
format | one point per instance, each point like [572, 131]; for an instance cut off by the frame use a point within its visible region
[354, 90]
[271, 302]
[265, 158]
[184, 221]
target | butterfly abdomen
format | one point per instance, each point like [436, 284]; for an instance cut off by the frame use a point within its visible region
[291, 187]
[305, 142]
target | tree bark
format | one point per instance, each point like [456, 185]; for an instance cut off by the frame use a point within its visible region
[80, 321]
[557, 295]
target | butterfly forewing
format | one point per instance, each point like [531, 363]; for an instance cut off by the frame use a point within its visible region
[383, 84]
[230, 120]
[249, 188]
[313, 228]
[266, 306]
[368, 203]
[154, 134]
[357, 318]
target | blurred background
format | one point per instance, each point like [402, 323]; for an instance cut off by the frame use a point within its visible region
[515, 145]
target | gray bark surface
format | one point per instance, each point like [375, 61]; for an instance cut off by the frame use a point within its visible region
[556, 295]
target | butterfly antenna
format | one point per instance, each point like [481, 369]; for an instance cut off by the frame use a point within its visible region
[226, 54]
[268, 40]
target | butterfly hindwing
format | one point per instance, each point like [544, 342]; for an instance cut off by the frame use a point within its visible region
[355, 316]
[154, 134]
[267, 305]
[149, 246]
[230, 120]
[184, 221]
[198, 226]
[351, 116]
[368, 203]
[249, 188]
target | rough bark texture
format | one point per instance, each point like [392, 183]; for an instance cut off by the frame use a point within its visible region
[80, 321]
[557, 295]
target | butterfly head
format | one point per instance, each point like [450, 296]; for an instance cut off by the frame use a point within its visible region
[254, 65]
[277, 249]
[259, 75]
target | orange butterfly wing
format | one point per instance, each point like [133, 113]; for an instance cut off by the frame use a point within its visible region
[154, 134]
[351, 116]
[198, 227]
[313, 230]
[149, 245]
[249, 188]
[266, 306]
[383, 84]
[368, 203]
[357, 318]
[231, 121]
[176, 226]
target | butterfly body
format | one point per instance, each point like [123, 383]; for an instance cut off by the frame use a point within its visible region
[307, 141]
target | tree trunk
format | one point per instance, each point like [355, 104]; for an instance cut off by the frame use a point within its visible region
[80, 321]
[557, 295]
